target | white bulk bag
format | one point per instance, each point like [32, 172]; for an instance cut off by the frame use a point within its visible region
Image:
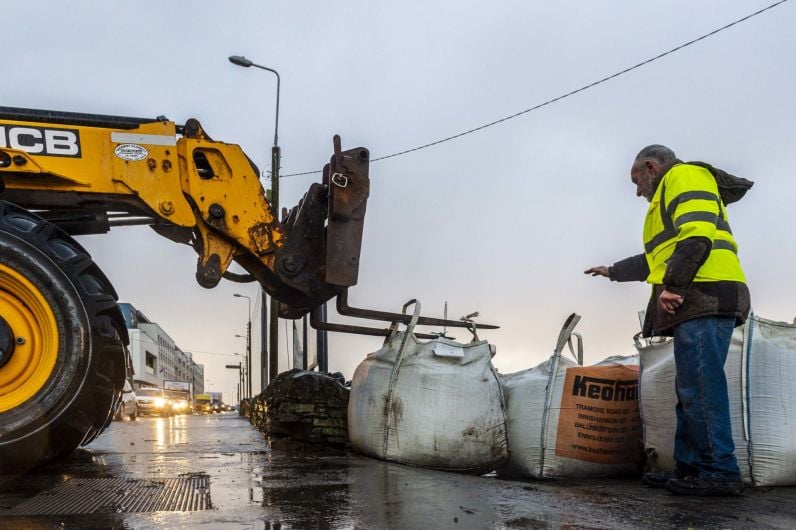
[434, 404]
[761, 378]
[568, 420]
[659, 398]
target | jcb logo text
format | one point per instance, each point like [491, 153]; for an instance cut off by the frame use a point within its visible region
[41, 141]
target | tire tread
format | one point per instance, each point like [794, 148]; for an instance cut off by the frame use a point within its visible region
[91, 411]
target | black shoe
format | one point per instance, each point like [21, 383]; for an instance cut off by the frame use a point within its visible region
[703, 487]
[657, 479]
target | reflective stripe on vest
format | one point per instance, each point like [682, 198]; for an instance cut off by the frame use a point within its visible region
[666, 235]
[670, 228]
[668, 223]
[720, 244]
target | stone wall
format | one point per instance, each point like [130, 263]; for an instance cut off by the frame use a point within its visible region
[304, 406]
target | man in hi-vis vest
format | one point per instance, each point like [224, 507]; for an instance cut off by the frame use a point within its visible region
[699, 295]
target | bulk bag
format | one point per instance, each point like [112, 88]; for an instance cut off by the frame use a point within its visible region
[435, 404]
[761, 377]
[569, 420]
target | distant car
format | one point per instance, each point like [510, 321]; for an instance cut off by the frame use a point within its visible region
[153, 401]
[127, 406]
[179, 402]
[204, 403]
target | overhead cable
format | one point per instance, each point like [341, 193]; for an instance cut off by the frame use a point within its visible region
[568, 94]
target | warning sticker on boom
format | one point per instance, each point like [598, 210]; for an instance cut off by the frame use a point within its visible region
[599, 420]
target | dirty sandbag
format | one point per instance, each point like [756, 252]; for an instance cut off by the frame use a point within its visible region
[435, 404]
[566, 420]
[760, 370]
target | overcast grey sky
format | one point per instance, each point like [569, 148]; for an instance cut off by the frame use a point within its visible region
[503, 221]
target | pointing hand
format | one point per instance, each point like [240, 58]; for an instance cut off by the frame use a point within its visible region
[601, 270]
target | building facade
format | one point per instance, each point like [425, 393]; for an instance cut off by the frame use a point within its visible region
[155, 356]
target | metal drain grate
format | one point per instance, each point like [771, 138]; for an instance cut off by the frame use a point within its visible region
[119, 495]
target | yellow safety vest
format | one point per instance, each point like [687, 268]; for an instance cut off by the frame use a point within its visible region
[687, 204]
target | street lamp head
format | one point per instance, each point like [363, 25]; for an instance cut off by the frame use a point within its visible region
[243, 61]
[240, 60]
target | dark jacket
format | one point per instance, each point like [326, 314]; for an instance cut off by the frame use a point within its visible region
[700, 299]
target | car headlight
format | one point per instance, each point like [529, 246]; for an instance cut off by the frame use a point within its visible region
[160, 402]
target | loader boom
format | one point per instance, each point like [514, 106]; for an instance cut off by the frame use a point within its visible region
[87, 173]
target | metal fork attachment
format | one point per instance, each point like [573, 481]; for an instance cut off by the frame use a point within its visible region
[344, 309]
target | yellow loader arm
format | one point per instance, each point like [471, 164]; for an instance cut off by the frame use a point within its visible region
[87, 173]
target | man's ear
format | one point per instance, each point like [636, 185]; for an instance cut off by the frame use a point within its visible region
[653, 168]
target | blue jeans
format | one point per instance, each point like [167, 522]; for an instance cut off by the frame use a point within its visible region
[703, 443]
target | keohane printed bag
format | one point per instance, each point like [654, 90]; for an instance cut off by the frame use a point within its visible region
[568, 420]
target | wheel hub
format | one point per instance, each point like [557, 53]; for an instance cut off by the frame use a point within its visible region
[28, 339]
[7, 342]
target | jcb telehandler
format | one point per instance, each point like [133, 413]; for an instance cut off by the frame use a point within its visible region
[63, 356]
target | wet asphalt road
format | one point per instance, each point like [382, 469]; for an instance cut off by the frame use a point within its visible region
[256, 485]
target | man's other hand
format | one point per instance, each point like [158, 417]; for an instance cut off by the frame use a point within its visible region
[601, 270]
[670, 301]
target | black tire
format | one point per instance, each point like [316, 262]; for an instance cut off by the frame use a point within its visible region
[78, 399]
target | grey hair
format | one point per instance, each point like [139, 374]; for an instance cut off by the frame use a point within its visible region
[660, 153]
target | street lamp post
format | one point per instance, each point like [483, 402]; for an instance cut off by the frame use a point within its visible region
[239, 368]
[242, 370]
[247, 370]
[273, 364]
[245, 374]
[248, 344]
[243, 61]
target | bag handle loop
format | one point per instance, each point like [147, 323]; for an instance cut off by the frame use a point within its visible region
[392, 331]
[565, 338]
[396, 367]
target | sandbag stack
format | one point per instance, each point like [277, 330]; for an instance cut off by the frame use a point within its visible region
[303, 406]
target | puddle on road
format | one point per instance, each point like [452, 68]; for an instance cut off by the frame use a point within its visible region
[340, 491]
[289, 486]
